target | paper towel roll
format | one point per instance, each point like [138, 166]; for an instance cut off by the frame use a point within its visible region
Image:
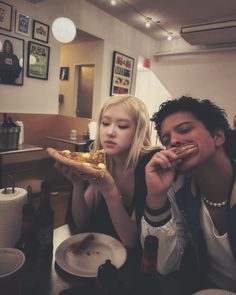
[11, 216]
[21, 136]
[92, 130]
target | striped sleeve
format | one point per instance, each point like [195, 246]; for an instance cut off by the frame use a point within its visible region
[158, 217]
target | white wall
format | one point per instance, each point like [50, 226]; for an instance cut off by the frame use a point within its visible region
[202, 75]
[39, 96]
[72, 55]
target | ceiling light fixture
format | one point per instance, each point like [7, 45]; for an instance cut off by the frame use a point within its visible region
[170, 36]
[148, 22]
[63, 29]
[113, 2]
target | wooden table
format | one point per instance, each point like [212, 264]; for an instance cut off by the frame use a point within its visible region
[23, 148]
[50, 279]
[79, 144]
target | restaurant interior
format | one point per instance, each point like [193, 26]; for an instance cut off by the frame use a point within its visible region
[175, 48]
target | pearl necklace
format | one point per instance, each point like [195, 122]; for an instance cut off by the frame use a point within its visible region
[214, 204]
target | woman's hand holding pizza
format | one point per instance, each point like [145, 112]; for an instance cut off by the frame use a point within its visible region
[70, 173]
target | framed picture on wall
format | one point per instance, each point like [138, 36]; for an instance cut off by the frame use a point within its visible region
[22, 24]
[122, 72]
[64, 73]
[5, 16]
[40, 31]
[38, 60]
[11, 60]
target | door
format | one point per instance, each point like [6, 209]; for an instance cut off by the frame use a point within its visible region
[84, 105]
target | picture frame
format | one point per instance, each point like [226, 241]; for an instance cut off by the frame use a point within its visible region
[11, 60]
[122, 73]
[64, 73]
[22, 25]
[5, 16]
[38, 60]
[40, 31]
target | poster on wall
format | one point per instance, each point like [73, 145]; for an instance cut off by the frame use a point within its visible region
[11, 60]
[38, 60]
[122, 72]
[5, 16]
[22, 24]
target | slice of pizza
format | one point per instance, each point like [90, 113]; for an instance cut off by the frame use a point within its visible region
[92, 163]
[186, 150]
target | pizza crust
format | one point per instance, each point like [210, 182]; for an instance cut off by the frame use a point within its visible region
[186, 150]
[95, 170]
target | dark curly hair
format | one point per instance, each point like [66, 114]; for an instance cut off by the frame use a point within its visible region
[205, 111]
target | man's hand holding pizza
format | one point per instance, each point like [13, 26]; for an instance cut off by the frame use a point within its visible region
[160, 173]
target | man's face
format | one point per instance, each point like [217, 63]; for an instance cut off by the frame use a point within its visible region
[182, 127]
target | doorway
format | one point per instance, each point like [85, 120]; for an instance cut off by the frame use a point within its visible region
[84, 106]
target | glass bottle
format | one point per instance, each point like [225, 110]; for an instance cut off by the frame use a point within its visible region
[148, 282]
[11, 123]
[108, 282]
[28, 242]
[45, 224]
[5, 121]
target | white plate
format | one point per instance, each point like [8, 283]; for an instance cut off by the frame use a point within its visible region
[96, 252]
[214, 292]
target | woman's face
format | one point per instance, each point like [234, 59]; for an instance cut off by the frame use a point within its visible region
[117, 130]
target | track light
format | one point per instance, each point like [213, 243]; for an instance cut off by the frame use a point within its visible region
[148, 22]
[113, 2]
[169, 36]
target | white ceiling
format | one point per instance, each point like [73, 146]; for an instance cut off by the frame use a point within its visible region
[172, 14]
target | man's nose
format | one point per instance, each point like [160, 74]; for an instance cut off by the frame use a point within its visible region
[175, 141]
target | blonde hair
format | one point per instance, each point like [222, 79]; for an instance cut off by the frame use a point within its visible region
[142, 139]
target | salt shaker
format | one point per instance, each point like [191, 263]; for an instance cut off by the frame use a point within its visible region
[73, 134]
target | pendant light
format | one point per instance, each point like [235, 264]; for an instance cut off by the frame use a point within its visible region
[63, 29]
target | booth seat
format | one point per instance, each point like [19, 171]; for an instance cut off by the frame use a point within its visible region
[34, 167]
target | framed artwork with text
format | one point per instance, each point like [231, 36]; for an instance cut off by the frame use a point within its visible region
[5, 16]
[22, 24]
[40, 31]
[38, 60]
[122, 72]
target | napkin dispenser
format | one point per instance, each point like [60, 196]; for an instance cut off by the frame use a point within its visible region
[12, 200]
[9, 137]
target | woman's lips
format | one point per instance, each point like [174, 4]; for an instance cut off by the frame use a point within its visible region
[109, 143]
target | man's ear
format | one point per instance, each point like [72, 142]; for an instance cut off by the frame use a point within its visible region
[219, 136]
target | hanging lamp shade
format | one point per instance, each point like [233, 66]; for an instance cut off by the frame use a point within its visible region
[63, 29]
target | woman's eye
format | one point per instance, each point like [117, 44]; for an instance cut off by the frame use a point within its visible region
[105, 123]
[123, 127]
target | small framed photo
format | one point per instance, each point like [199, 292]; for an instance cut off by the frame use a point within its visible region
[5, 16]
[38, 60]
[22, 24]
[11, 60]
[40, 31]
[122, 72]
[64, 73]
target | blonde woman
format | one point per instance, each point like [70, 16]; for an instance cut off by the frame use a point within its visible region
[114, 204]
